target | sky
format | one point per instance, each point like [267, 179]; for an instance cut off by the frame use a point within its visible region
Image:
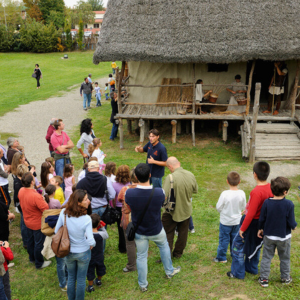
[71, 3]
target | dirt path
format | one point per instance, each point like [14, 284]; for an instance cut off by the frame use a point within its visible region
[29, 122]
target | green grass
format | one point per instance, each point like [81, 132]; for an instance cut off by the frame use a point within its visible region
[199, 278]
[18, 87]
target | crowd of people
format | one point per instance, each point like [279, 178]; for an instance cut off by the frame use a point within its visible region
[138, 194]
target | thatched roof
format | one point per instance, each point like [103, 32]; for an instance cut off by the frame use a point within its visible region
[208, 31]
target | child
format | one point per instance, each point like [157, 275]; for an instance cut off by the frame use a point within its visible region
[110, 171]
[113, 66]
[111, 83]
[95, 151]
[59, 194]
[106, 92]
[246, 245]
[230, 205]
[49, 197]
[52, 162]
[97, 257]
[98, 94]
[46, 173]
[69, 179]
[37, 184]
[8, 255]
[276, 220]
[67, 199]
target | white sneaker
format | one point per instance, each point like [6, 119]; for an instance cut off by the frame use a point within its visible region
[46, 264]
[176, 270]
[192, 231]
[64, 289]
[10, 265]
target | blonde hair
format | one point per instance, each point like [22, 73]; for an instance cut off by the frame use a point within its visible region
[15, 162]
[96, 142]
[21, 170]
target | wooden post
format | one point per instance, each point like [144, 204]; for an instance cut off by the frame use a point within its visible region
[249, 87]
[225, 126]
[187, 127]
[294, 93]
[129, 127]
[142, 130]
[173, 123]
[119, 85]
[193, 132]
[194, 104]
[254, 122]
[179, 127]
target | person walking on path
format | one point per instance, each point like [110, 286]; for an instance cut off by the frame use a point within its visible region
[185, 185]
[50, 131]
[150, 227]
[61, 144]
[86, 88]
[156, 157]
[37, 71]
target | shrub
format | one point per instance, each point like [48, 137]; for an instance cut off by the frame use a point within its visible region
[6, 38]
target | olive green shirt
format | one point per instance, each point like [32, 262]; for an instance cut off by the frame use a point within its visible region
[185, 185]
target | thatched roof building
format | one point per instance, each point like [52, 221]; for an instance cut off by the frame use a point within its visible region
[199, 31]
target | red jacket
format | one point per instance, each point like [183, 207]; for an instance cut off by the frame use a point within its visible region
[8, 255]
[50, 130]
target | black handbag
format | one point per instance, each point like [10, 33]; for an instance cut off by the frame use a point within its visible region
[34, 75]
[111, 215]
[131, 229]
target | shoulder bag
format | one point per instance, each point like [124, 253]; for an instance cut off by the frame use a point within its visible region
[111, 215]
[61, 241]
[170, 202]
[33, 75]
[45, 228]
[131, 229]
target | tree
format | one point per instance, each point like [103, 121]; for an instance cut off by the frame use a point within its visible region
[57, 18]
[67, 28]
[33, 10]
[80, 35]
[46, 6]
[96, 4]
[10, 13]
[83, 11]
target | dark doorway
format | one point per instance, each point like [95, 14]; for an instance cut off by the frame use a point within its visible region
[263, 73]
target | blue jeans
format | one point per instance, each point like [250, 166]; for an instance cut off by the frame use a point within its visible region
[59, 169]
[35, 246]
[24, 232]
[87, 100]
[114, 131]
[226, 236]
[191, 225]
[2, 293]
[100, 211]
[240, 263]
[156, 181]
[62, 272]
[106, 96]
[142, 244]
[77, 264]
[98, 98]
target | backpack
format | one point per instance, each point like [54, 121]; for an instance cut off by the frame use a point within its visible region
[170, 202]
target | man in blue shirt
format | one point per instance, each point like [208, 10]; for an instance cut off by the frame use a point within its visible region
[150, 228]
[156, 157]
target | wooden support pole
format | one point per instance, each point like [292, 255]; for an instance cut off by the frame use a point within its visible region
[129, 127]
[173, 123]
[178, 127]
[193, 132]
[254, 122]
[142, 130]
[119, 85]
[225, 126]
[249, 88]
[187, 127]
[294, 93]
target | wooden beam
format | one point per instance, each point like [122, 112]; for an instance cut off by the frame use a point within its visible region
[294, 93]
[142, 130]
[194, 88]
[225, 126]
[173, 123]
[254, 122]
[249, 87]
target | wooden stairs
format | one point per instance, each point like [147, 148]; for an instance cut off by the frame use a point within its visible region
[273, 141]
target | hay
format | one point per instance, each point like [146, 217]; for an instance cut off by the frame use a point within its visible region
[194, 31]
[170, 93]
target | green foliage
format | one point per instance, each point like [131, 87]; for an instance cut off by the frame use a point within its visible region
[57, 18]
[46, 6]
[10, 12]
[80, 35]
[38, 37]
[96, 4]
[6, 38]
[83, 11]
[68, 41]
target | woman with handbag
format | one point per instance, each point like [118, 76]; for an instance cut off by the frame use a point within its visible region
[79, 225]
[38, 75]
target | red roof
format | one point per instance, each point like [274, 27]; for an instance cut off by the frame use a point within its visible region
[98, 20]
[100, 12]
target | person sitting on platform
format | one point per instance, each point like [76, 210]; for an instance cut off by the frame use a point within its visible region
[237, 90]
[276, 88]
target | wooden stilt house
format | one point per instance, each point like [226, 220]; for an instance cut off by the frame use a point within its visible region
[169, 45]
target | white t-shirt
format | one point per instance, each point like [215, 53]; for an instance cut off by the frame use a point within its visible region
[81, 175]
[230, 205]
[97, 90]
[99, 154]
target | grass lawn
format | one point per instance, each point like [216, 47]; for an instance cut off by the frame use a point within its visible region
[18, 87]
[199, 278]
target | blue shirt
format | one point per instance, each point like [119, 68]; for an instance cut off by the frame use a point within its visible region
[80, 232]
[137, 200]
[158, 152]
[277, 217]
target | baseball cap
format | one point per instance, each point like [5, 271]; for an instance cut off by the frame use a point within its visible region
[93, 164]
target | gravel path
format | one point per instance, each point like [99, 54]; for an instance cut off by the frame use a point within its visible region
[29, 122]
